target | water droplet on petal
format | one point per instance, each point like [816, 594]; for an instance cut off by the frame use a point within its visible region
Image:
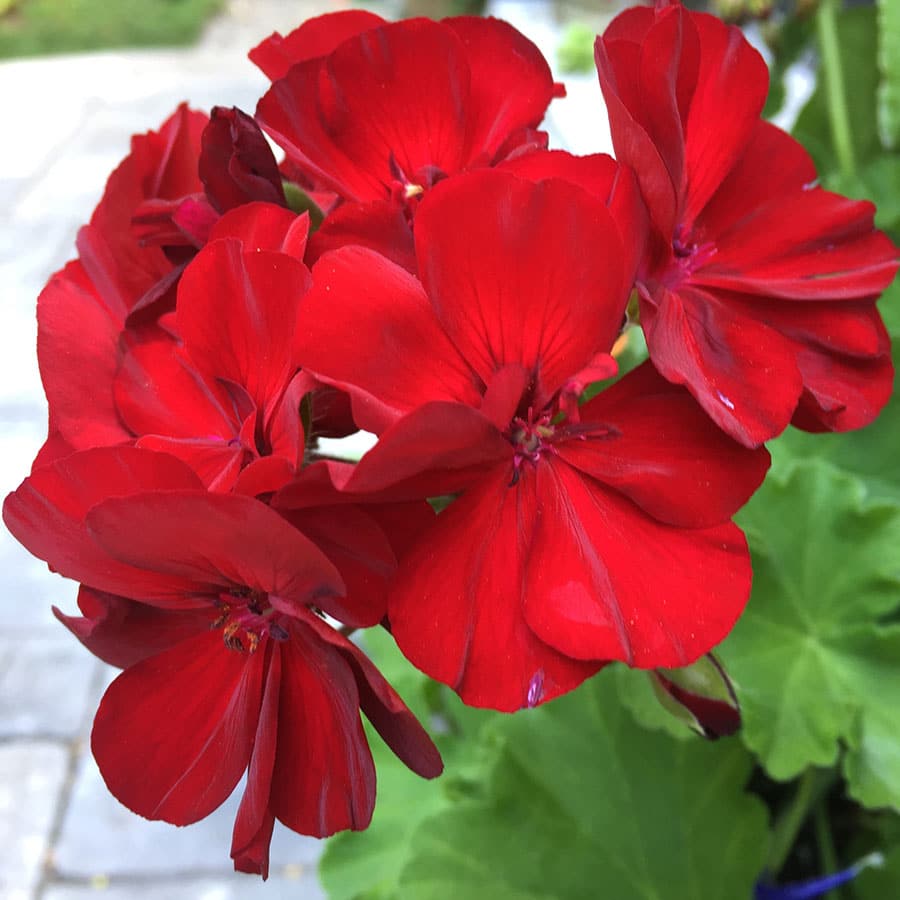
[725, 400]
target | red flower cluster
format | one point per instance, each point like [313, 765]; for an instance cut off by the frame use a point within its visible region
[420, 266]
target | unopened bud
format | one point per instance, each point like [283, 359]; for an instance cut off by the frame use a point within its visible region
[701, 696]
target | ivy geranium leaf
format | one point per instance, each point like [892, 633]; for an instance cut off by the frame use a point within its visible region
[816, 656]
[584, 803]
[365, 865]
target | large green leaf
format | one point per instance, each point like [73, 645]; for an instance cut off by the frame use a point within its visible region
[889, 66]
[584, 803]
[858, 34]
[358, 865]
[815, 658]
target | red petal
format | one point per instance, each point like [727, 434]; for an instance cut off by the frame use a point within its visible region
[664, 453]
[158, 390]
[808, 244]
[436, 449]
[507, 287]
[377, 103]
[235, 311]
[122, 632]
[732, 83]
[47, 512]
[618, 65]
[385, 709]
[359, 549]
[315, 37]
[255, 820]
[605, 581]
[457, 607]
[264, 226]
[173, 734]
[379, 225]
[324, 778]
[367, 327]
[78, 353]
[743, 373]
[510, 83]
[216, 541]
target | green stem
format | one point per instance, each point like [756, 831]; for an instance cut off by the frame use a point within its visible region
[825, 843]
[813, 784]
[835, 91]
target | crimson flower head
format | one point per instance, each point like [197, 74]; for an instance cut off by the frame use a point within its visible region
[758, 289]
[213, 604]
[379, 112]
[581, 534]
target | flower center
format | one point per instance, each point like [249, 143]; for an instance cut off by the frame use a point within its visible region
[530, 437]
[247, 617]
[689, 254]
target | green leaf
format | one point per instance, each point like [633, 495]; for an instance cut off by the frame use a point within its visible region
[583, 803]
[814, 658]
[366, 864]
[637, 695]
[889, 67]
[858, 35]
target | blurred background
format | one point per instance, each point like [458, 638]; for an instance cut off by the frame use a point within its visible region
[77, 79]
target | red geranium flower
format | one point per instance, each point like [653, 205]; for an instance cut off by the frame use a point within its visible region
[758, 289]
[384, 114]
[582, 534]
[230, 668]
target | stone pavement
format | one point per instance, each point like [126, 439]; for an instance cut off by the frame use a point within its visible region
[67, 122]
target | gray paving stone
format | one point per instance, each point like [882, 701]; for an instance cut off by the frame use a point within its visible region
[32, 774]
[100, 837]
[298, 884]
[45, 685]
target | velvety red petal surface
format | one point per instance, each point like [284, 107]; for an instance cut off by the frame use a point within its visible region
[265, 226]
[122, 632]
[367, 327]
[732, 83]
[438, 448]
[619, 66]
[507, 287]
[664, 453]
[510, 83]
[217, 541]
[173, 734]
[78, 353]
[159, 390]
[255, 820]
[605, 581]
[742, 372]
[385, 709]
[809, 244]
[46, 514]
[361, 552]
[235, 313]
[457, 607]
[380, 225]
[315, 37]
[324, 777]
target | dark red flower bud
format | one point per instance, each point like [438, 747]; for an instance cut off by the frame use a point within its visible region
[701, 695]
